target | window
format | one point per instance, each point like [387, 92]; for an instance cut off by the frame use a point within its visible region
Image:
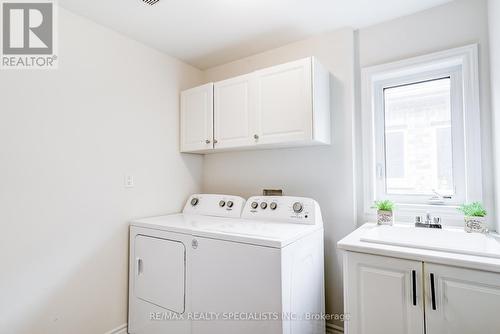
[418, 108]
[421, 143]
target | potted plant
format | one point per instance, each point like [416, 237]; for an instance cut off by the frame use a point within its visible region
[474, 217]
[385, 215]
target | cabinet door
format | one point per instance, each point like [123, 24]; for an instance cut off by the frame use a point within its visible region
[234, 278]
[382, 295]
[464, 301]
[284, 102]
[234, 113]
[197, 118]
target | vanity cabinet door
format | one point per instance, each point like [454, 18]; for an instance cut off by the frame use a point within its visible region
[382, 295]
[461, 301]
[197, 119]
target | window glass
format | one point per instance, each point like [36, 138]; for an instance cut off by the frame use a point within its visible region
[418, 138]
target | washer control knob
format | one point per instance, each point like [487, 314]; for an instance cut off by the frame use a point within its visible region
[194, 201]
[273, 205]
[254, 205]
[222, 203]
[230, 204]
[297, 207]
[263, 205]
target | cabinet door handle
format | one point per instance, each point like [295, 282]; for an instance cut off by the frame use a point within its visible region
[256, 136]
[215, 141]
[414, 286]
[207, 141]
[433, 293]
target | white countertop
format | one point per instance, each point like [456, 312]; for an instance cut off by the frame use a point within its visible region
[353, 243]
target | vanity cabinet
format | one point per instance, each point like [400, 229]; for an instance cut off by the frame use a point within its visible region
[386, 295]
[280, 106]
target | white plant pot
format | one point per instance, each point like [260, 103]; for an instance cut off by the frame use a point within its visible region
[475, 224]
[385, 217]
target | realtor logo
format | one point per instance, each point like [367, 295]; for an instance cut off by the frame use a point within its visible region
[28, 35]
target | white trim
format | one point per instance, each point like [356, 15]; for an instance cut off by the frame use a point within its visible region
[122, 329]
[465, 58]
[334, 329]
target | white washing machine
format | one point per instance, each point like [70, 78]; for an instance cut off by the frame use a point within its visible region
[225, 267]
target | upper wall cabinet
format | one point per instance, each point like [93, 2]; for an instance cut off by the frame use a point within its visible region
[281, 106]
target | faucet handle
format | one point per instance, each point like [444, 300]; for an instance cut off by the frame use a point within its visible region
[418, 219]
[436, 220]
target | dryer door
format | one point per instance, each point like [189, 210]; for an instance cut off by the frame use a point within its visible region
[160, 272]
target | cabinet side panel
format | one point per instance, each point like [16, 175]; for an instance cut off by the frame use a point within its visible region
[321, 103]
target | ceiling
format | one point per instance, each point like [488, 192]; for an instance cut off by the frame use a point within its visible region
[206, 33]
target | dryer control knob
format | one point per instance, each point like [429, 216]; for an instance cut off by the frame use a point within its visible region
[297, 207]
[230, 204]
[263, 205]
[222, 204]
[273, 205]
[194, 201]
[255, 205]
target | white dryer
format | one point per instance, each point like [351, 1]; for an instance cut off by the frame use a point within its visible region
[215, 269]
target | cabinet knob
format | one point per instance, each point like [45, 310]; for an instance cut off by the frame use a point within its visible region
[215, 141]
[256, 136]
[207, 141]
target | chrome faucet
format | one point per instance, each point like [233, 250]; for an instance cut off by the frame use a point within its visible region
[430, 222]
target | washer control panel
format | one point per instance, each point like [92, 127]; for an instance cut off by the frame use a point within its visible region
[282, 209]
[214, 205]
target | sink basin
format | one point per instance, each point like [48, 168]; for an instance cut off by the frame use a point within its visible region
[446, 240]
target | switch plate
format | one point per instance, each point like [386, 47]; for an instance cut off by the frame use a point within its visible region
[129, 181]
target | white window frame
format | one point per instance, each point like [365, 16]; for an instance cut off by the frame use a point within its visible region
[461, 65]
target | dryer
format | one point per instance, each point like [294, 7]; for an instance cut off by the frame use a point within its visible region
[225, 267]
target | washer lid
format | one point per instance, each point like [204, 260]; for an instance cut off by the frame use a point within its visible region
[263, 233]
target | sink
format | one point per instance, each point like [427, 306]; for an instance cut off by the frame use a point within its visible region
[446, 240]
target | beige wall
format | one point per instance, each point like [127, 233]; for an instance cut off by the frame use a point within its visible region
[494, 25]
[323, 173]
[67, 139]
[452, 25]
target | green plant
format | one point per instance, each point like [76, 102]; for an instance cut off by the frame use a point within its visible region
[384, 205]
[475, 209]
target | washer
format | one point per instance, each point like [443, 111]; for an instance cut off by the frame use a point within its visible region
[218, 268]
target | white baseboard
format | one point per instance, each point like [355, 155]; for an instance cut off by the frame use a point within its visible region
[122, 329]
[334, 329]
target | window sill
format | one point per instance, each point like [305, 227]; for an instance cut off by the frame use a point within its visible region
[406, 213]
